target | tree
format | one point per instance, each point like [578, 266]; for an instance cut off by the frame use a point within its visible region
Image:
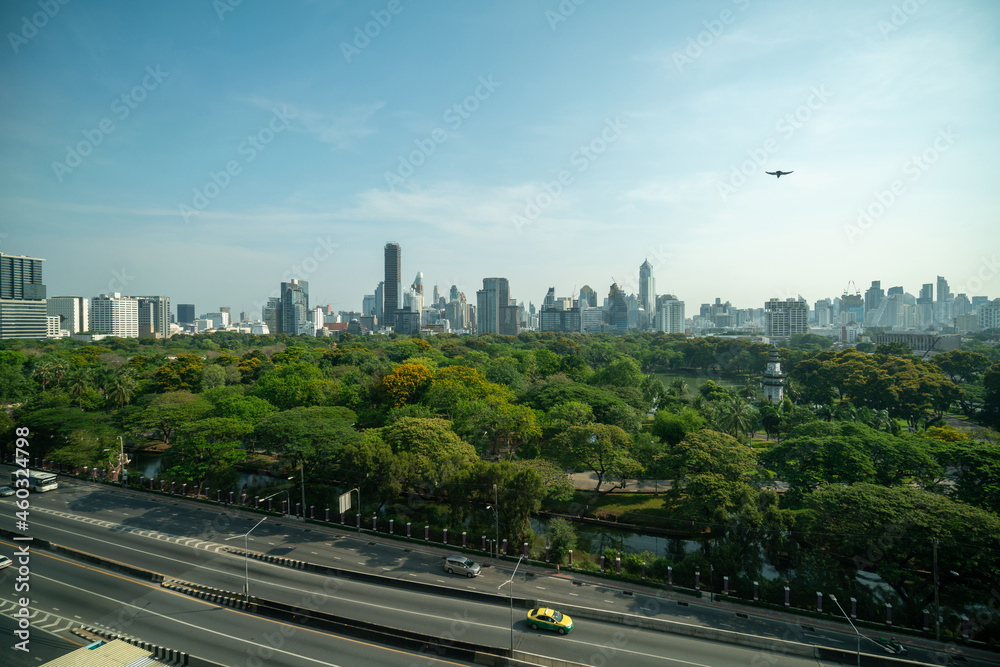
[432, 450]
[600, 448]
[505, 426]
[672, 427]
[181, 374]
[713, 471]
[960, 365]
[168, 412]
[295, 384]
[311, 437]
[121, 388]
[562, 539]
[208, 448]
[892, 530]
[369, 464]
[405, 384]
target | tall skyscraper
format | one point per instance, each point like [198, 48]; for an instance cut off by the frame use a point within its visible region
[489, 300]
[271, 314]
[393, 287]
[368, 304]
[647, 291]
[942, 289]
[23, 312]
[73, 312]
[154, 315]
[115, 314]
[185, 313]
[294, 306]
[873, 296]
[926, 293]
[618, 309]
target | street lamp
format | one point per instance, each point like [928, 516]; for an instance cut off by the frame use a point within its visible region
[834, 598]
[285, 491]
[496, 523]
[511, 582]
[246, 558]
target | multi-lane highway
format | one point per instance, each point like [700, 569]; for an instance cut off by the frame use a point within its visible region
[184, 541]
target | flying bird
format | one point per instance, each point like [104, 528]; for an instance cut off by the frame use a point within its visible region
[778, 173]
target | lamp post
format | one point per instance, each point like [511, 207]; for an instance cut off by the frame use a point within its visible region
[246, 557]
[511, 582]
[359, 505]
[834, 598]
[496, 524]
[285, 491]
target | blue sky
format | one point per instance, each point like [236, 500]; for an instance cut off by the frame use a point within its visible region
[208, 151]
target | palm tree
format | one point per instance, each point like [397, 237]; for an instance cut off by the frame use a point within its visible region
[121, 388]
[681, 387]
[827, 412]
[78, 384]
[738, 417]
[44, 372]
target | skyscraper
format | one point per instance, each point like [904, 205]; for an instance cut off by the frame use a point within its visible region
[669, 314]
[185, 313]
[22, 297]
[393, 287]
[489, 300]
[294, 306]
[873, 296]
[618, 309]
[647, 291]
[154, 315]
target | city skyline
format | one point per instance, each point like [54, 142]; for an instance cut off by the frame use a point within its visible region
[211, 152]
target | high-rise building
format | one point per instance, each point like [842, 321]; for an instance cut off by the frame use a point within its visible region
[647, 291]
[73, 312]
[588, 297]
[185, 313]
[784, 318]
[926, 293]
[943, 293]
[380, 302]
[23, 312]
[824, 313]
[873, 296]
[618, 309]
[271, 314]
[489, 300]
[154, 315]
[115, 314]
[368, 304]
[988, 315]
[294, 306]
[393, 288]
[669, 314]
[453, 293]
[852, 309]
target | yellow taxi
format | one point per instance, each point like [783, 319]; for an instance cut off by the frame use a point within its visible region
[549, 619]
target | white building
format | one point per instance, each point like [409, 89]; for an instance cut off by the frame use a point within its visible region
[115, 314]
[669, 314]
[989, 315]
[784, 318]
[73, 312]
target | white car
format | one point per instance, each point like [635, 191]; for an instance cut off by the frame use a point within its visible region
[6, 491]
[5, 562]
[461, 565]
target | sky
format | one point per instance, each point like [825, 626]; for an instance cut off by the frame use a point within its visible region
[208, 150]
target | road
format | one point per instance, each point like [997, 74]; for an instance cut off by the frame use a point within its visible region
[187, 543]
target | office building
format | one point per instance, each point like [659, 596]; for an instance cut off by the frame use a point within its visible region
[647, 292]
[73, 312]
[489, 300]
[23, 311]
[115, 314]
[669, 316]
[988, 315]
[392, 288]
[294, 306]
[784, 318]
[185, 313]
[154, 315]
[368, 304]
[617, 309]
[271, 314]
